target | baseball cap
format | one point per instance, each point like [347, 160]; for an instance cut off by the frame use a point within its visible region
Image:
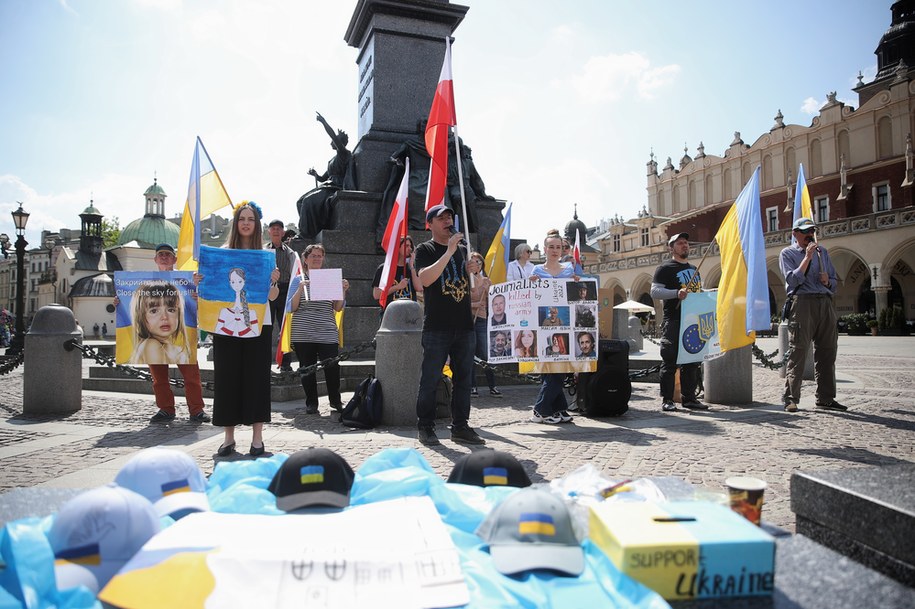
[803, 224]
[438, 210]
[489, 468]
[673, 238]
[164, 247]
[97, 532]
[312, 477]
[170, 479]
[532, 529]
[276, 222]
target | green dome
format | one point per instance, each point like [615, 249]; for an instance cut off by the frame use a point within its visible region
[91, 210]
[155, 190]
[150, 231]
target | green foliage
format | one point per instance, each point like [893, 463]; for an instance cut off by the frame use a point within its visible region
[883, 319]
[871, 323]
[111, 232]
[856, 323]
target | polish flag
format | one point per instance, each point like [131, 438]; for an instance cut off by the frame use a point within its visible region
[396, 229]
[441, 117]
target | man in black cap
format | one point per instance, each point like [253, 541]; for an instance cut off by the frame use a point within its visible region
[447, 327]
[810, 280]
[285, 261]
[672, 281]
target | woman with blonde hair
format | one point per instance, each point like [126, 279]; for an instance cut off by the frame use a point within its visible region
[479, 304]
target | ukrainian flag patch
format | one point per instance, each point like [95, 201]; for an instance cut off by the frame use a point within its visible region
[312, 474]
[176, 486]
[495, 475]
[82, 555]
[536, 523]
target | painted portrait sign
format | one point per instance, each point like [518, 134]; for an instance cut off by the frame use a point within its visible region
[234, 291]
[156, 317]
[548, 325]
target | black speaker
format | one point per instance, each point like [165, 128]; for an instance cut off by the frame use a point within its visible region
[606, 393]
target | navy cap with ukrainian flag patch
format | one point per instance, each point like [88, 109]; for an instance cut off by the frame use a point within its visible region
[169, 478]
[532, 529]
[97, 532]
[489, 468]
[312, 477]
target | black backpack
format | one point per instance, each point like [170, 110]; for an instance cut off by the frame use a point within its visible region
[363, 411]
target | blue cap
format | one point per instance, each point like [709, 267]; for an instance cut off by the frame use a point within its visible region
[169, 478]
[164, 247]
[438, 210]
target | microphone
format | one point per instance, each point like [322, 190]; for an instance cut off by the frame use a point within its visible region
[454, 231]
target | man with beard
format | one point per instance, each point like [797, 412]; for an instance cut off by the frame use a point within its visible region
[810, 280]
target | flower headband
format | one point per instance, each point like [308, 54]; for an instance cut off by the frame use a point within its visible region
[252, 205]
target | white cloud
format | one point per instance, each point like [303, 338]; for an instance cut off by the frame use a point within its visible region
[608, 78]
[811, 106]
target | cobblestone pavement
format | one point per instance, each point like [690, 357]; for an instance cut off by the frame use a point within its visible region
[876, 382]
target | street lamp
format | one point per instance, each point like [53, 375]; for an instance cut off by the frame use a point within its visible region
[20, 219]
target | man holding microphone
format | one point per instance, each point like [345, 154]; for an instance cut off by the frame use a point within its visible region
[810, 280]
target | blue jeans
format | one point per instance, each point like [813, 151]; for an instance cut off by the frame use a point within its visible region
[479, 329]
[437, 346]
[552, 398]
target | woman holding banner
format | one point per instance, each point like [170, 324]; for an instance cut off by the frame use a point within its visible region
[479, 304]
[551, 406]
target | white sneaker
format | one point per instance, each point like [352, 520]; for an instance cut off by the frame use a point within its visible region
[564, 416]
[550, 420]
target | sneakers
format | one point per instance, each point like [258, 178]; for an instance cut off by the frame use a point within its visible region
[474, 393]
[550, 420]
[834, 405]
[465, 435]
[495, 393]
[564, 416]
[668, 406]
[200, 417]
[427, 437]
[162, 417]
[790, 406]
[694, 404]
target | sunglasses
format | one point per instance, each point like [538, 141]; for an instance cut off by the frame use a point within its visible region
[806, 231]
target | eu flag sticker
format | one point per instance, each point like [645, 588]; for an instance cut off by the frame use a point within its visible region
[82, 555]
[536, 523]
[495, 475]
[312, 474]
[176, 486]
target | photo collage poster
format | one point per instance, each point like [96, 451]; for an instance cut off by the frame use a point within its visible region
[156, 317]
[550, 322]
[234, 290]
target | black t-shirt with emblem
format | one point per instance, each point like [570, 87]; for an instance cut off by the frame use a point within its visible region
[447, 299]
[675, 275]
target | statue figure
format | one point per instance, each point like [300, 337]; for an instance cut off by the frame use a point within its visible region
[316, 207]
[474, 189]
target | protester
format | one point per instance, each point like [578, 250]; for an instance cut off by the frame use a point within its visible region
[672, 281]
[810, 280]
[551, 406]
[241, 366]
[406, 281]
[315, 335]
[193, 393]
[521, 267]
[285, 262]
[479, 300]
[447, 328]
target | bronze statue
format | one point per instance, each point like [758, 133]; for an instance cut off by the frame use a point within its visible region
[316, 207]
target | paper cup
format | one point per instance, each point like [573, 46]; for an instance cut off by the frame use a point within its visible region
[746, 496]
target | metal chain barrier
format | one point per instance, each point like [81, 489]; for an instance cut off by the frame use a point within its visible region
[769, 360]
[12, 363]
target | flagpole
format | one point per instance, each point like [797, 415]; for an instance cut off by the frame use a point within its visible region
[695, 277]
[460, 164]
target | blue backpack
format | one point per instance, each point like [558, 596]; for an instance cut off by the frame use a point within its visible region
[363, 411]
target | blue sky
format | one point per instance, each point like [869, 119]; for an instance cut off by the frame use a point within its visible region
[561, 102]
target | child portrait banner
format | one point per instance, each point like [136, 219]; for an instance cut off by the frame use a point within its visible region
[550, 323]
[233, 292]
[156, 317]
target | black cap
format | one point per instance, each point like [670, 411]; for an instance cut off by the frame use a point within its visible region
[438, 210]
[312, 477]
[164, 247]
[489, 468]
[276, 222]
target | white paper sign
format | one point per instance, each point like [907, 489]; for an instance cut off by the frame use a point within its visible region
[325, 284]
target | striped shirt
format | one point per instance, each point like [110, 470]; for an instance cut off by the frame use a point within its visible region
[314, 322]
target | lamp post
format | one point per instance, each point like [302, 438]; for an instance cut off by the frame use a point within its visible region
[20, 219]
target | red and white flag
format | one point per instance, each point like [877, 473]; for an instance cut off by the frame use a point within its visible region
[576, 254]
[393, 233]
[441, 117]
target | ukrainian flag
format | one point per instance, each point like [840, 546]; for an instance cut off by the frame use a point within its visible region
[743, 292]
[205, 195]
[176, 486]
[312, 474]
[82, 555]
[536, 523]
[495, 475]
[497, 256]
[802, 205]
[295, 280]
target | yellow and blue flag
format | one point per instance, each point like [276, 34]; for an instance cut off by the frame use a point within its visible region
[295, 280]
[802, 205]
[176, 486]
[536, 523]
[205, 195]
[495, 476]
[497, 256]
[312, 474]
[743, 293]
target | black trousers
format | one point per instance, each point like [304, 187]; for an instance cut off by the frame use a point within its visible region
[689, 373]
[310, 353]
[241, 375]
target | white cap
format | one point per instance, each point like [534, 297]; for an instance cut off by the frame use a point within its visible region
[169, 478]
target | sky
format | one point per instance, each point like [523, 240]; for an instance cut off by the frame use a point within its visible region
[562, 103]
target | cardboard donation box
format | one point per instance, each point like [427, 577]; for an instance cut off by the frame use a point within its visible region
[685, 550]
